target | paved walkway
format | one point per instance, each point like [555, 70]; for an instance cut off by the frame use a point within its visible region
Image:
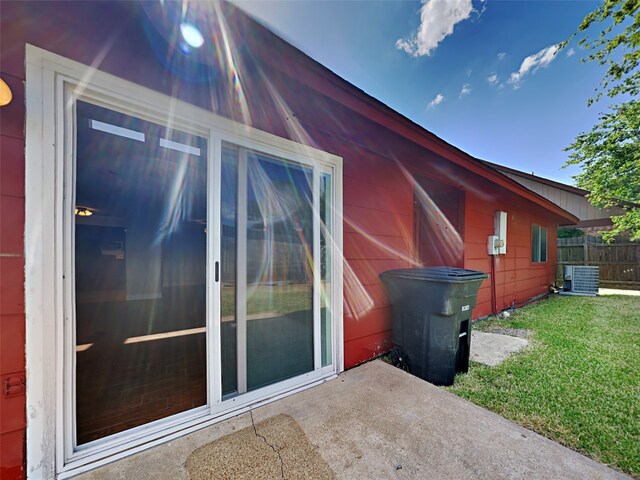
[492, 348]
[618, 291]
[375, 421]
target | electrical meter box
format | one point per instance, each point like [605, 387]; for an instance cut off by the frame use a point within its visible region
[500, 231]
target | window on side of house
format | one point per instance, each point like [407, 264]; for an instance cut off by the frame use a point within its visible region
[538, 244]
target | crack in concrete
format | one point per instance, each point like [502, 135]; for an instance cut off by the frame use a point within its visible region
[264, 439]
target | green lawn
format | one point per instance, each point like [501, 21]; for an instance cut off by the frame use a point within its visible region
[579, 381]
[280, 298]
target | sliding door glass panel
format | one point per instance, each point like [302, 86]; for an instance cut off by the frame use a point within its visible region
[228, 277]
[140, 272]
[267, 256]
[325, 268]
[279, 270]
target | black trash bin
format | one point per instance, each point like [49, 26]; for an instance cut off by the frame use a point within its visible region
[432, 318]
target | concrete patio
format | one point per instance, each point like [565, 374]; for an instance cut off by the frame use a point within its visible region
[492, 348]
[375, 421]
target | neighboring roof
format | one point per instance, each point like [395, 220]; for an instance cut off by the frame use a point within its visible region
[531, 176]
[344, 92]
[552, 183]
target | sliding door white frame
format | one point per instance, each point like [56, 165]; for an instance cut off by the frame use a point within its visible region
[53, 85]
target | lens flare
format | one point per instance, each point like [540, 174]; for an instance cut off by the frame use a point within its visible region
[296, 131]
[191, 35]
[232, 66]
[447, 244]
[179, 202]
[357, 301]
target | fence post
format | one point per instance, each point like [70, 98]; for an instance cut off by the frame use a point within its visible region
[585, 246]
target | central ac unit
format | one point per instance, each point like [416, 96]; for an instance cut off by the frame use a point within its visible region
[581, 280]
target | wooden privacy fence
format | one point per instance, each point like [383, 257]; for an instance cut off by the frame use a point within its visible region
[271, 262]
[619, 261]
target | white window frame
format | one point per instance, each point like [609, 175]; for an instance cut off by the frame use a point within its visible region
[53, 83]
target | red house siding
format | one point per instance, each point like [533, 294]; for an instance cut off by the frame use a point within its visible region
[379, 228]
[12, 320]
[285, 100]
[517, 278]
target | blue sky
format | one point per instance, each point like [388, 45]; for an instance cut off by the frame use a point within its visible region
[471, 87]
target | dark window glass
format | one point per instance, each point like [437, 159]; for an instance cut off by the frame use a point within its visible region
[538, 244]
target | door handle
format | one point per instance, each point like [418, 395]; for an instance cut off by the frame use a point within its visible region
[217, 271]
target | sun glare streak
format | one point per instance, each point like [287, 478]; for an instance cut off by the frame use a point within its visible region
[291, 122]
[448, 244]
[357, 301]
[178, 202]
[233, 73]
[90, 71]
[277, 204]
[383, 246]
[308, 251]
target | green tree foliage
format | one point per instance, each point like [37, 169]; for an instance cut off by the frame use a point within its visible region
[609, 154]
[570, 233]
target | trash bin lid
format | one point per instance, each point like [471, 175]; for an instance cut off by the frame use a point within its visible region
[440, 274]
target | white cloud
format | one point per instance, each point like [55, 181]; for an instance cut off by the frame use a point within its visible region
[501, 55]
[571, 52]
[492, 79]
[532, 63]
[437, 19]
[466, 90]
[436, 101]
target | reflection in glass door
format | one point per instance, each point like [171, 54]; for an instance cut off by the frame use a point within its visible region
[140, 272]
[268, 314]
[140, 236]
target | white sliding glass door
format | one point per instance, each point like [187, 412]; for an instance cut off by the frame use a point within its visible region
[176, 307]
[180, 267]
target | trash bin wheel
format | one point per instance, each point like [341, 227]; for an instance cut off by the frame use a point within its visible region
[400, 359]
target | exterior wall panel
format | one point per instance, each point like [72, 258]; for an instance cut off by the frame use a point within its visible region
[12, 449]
[378, 320]
[12, 319]
[370, 346]
[517, 278]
